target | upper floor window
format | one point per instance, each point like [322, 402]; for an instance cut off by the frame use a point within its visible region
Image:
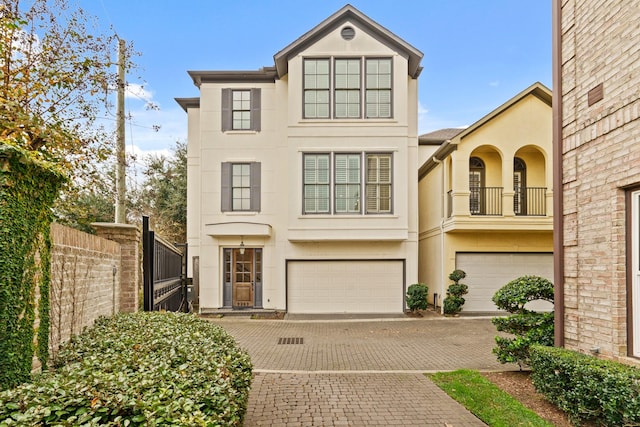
[334, 182]
[241, 109]
[333, 88]
[240, 187]
[476, 184]
[519, 186]
[316, 88]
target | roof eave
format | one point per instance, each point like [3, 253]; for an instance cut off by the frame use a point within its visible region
[187, 103]
[438, 156]
[263, 75]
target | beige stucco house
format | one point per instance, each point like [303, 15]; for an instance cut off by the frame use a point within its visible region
[303, 175]
[485, 200]
[597, 144]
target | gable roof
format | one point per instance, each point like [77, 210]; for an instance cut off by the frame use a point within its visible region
[537, 89]
[349, 13]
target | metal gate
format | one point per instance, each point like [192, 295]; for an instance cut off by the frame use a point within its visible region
[165, 286]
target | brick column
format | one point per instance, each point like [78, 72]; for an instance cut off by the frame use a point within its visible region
[129, 238]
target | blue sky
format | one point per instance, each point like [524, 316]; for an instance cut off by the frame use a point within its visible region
[477, 53]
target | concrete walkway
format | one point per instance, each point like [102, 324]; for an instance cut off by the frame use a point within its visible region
[360, 372]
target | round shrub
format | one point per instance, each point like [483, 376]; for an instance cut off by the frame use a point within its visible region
[457, 275]
[417, 296]
[140, 369]
[514, 296]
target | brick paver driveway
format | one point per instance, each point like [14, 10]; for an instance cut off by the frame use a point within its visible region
[359, 373]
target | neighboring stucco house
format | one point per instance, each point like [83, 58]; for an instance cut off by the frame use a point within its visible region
[303, 175]
[597, 145]
[485, 200]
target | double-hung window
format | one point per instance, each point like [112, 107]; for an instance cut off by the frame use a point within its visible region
[240, 187]
[241, 109]
[347, 183]
[347, 88]
[316, 88]
[378, 88]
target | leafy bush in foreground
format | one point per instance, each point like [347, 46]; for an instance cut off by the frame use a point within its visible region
[587, 388]
[529, 327]
[148, 369]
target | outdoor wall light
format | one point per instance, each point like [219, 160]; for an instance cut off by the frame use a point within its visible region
[242, 245]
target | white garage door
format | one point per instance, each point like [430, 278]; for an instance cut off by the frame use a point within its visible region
[345, 286]
[488, 272]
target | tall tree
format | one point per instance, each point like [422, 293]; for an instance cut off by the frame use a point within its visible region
[55, 74]
[164, 194]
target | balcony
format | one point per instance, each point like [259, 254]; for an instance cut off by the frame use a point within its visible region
[530, 201]
[485, 201]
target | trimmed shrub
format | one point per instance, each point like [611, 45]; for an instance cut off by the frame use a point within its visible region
[586, 388]
[150, 369]
[454, 301]
[417, 296]
[529, 327]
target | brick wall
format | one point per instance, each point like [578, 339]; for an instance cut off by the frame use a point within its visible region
[601, 158]
[85, 283]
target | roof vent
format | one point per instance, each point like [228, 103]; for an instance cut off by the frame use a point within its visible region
[348, 33]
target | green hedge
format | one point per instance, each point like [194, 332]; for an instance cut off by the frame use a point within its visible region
[141, 369]
[28, 188]
[587, 388]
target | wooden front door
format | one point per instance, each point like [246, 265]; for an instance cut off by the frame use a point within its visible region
[243, 277]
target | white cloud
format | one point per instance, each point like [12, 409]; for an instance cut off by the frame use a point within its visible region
[138, 91]
[494, 83]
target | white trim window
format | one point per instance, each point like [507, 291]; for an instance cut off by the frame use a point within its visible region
[333, 87]
[338, 183]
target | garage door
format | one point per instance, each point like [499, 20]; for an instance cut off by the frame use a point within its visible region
[345, 286]
[488, 272]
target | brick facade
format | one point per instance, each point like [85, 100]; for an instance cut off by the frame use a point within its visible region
[84, 282]
[129, 238]
[599, 45]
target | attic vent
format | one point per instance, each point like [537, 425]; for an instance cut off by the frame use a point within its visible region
[348, 33]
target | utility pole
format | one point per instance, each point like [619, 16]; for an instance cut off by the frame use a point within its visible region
[121, 160]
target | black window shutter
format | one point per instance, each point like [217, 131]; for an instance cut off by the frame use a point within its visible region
[226, 110]
[225, 202]
[255, 109]
[255, 186]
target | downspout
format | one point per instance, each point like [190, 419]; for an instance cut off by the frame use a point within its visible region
[442, 218]
[558, 220]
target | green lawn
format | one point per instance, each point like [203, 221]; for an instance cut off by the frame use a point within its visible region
[485, 400]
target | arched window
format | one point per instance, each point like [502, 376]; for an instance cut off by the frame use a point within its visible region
[519, 186]
[476, 185]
